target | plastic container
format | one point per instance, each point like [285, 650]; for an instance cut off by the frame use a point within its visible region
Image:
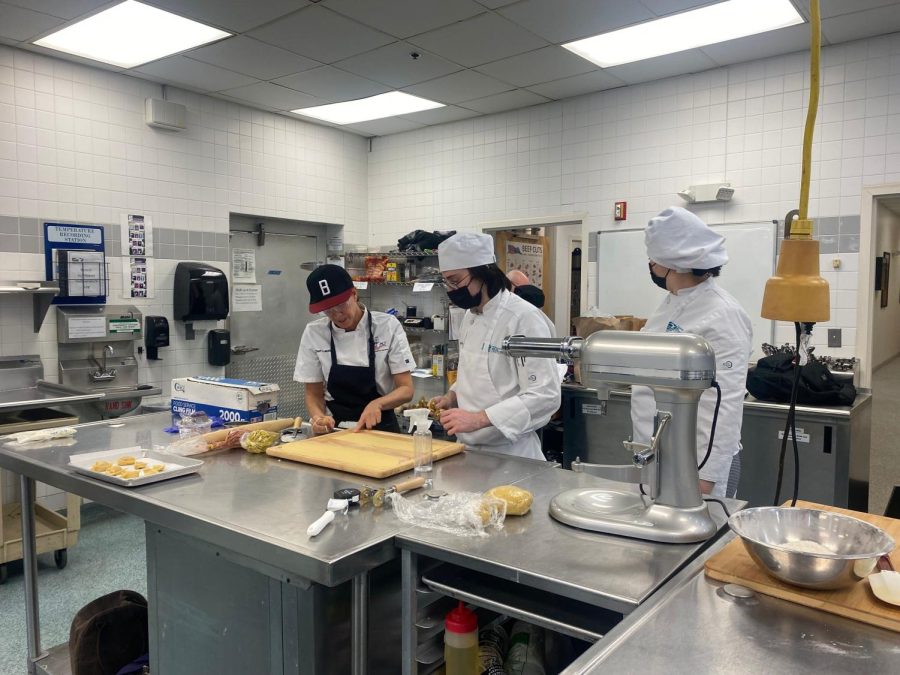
[423, 457]
[461, 642]
[492, 644]
[195, 424]
[526, 652]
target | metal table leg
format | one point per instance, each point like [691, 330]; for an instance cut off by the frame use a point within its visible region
[359, 619]
[29, 563]
[409, 578]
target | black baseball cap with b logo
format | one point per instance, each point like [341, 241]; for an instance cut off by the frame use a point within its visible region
[328, 285]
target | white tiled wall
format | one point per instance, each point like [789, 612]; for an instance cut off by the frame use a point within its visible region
[74, 148]
[643, 143]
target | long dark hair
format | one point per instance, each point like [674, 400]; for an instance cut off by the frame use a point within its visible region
[493, 278]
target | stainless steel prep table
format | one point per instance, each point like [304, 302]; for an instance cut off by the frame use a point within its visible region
[616, 574]
[227, 551]
[834, 445]
[693, 626]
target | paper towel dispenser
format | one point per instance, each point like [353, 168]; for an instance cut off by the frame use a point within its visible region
[201, 292]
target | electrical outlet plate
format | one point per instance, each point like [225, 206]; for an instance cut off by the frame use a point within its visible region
[834, 337]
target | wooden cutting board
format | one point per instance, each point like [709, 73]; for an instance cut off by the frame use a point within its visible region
[376, 454]
[735, 566]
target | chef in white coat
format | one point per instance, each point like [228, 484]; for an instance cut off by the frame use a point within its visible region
[685, 257]
[497, 402]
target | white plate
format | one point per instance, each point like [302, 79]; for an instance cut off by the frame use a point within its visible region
[886, 586]
[176, 465]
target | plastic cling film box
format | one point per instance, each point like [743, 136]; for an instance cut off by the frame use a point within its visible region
[231, 400]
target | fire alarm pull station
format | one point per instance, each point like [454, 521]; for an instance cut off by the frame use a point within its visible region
[620, 210]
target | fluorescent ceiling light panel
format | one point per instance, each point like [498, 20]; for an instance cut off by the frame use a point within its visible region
[704, 26]
[131, 34]
[371, 108]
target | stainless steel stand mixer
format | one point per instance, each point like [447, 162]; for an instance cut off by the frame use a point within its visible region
[678, 367]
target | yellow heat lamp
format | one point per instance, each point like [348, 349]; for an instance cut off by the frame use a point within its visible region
[797, 293]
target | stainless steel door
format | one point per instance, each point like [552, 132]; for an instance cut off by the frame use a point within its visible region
[264, 343]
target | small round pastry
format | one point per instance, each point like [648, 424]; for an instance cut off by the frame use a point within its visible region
[100, 466]
[131, 474]
[140, 464]
[127, 460]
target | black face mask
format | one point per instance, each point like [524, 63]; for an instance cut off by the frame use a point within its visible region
[658, 280]
[463, 299]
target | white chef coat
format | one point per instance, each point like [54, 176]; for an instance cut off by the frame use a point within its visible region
[518, 399]
[392, 354]
[711, 312]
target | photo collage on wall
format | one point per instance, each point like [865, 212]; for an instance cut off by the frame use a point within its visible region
[137, 260]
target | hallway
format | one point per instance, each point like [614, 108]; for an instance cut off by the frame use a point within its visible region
[884, 460]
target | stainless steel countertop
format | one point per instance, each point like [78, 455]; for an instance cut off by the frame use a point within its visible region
[253, 505]
[39, 397]
[693, 626]
[863, 398]
[614, 572]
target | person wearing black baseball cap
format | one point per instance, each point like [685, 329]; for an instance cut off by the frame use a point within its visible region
[356, 364]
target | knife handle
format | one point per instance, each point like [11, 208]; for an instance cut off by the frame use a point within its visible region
[884, 564]
[320, 524]
[409, 484]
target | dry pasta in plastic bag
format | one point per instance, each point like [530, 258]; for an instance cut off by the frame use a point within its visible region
[461, 513]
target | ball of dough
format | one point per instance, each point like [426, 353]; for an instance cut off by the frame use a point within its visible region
[518, 501]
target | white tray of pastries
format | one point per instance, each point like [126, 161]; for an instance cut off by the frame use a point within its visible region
[134, 466]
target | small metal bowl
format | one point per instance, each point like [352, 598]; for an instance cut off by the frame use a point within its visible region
[790, 544]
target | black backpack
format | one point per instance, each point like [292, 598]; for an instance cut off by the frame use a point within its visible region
[773, 378]
[420, 240]
[109, 633]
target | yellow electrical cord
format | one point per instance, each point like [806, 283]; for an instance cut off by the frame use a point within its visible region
[802, 228]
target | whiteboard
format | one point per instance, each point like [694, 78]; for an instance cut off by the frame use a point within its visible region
[624, 286]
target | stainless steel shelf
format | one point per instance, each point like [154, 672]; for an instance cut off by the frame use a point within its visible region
[572, 617]
[415, 330]
[41, 297]
[390, 254]
[56, 661]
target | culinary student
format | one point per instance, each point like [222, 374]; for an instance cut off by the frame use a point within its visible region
[685, 257]
[355, 363]
[497, 402]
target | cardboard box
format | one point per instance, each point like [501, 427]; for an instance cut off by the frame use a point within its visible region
[229, 399]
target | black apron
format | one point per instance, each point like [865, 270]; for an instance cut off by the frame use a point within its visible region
[352, 388]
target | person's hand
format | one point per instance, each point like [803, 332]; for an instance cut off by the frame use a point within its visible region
[459, 421]
[442, 402]
[706, 486]
[370, 418]
[322, 424]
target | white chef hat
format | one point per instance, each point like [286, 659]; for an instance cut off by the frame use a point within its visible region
[466, 249]
[679, 240]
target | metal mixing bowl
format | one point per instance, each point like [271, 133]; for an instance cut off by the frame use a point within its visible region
[783, 541]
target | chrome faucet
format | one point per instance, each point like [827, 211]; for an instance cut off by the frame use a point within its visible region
[104, 374]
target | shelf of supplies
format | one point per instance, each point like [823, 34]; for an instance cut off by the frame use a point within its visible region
[391, 254]
[41, 292]
[418, 331]
[372, 284]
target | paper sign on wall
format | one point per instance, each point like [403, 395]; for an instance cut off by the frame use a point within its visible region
[243, 265]
[137, 235]
[422, 286]
[137, 277]
[87, 327]
[246, 298]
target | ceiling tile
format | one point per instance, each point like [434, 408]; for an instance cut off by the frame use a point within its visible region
[322, 35]
[585, 83]
[194, 74]
[690, 61]
[829, 8]
[485, 38]
[462, 86]
[393, 65]
[449, 113]
[509, 100]
[494, 4]
[273, 96]
[65, 9]
[19, 24]
[862, 24]
[252, 57]
[331, 84]
[383, 127]
[234, 15]
[403, 18]
[666, 7]
[566, 20]
[541, 65]
[764, 45]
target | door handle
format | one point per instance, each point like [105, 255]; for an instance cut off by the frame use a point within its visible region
[243, 349]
